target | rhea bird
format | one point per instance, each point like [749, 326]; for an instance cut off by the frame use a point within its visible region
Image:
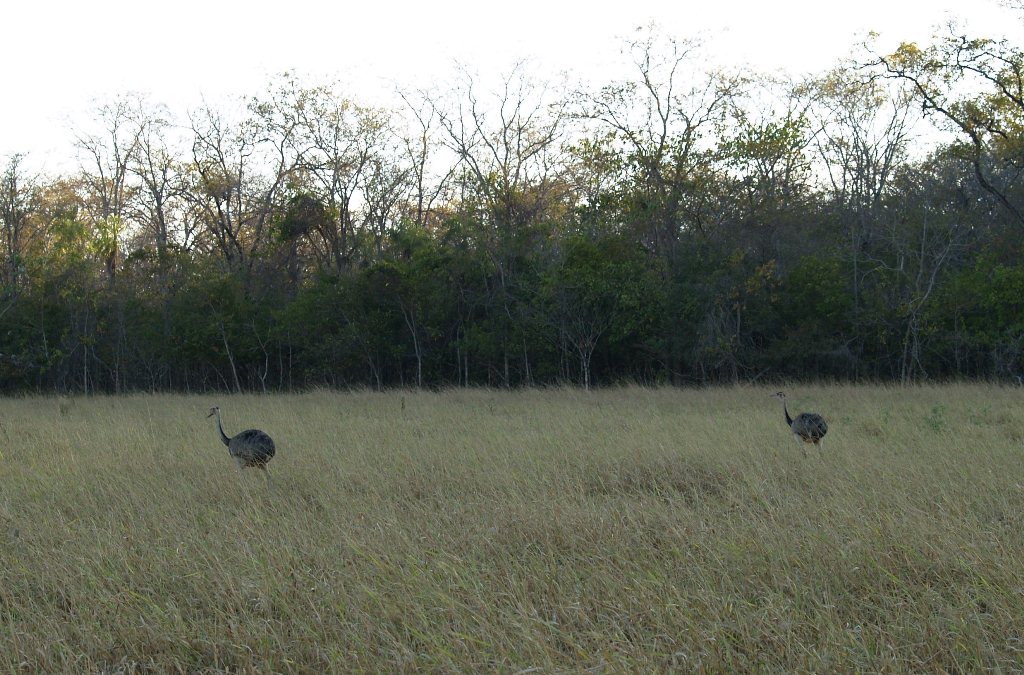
[251, 447]
[807, 427]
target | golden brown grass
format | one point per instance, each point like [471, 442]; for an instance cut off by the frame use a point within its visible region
[621, 530]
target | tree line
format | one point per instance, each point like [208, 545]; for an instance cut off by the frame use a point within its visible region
[682, 225]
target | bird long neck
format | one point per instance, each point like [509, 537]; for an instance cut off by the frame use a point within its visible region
[789, 420]
[223, 436]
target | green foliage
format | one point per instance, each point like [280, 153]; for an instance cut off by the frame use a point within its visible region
[815, 298]
[728, 231]
[303, 213]
[602, 294]
[936, 419]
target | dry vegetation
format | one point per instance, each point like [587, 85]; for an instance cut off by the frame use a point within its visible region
[627, 529]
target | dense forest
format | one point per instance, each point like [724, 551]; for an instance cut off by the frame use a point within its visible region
[682, 225]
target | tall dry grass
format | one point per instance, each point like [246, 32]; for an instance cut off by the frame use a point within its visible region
[620, 530]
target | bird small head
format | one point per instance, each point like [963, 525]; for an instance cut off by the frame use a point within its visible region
[213, 411]
[779, 394]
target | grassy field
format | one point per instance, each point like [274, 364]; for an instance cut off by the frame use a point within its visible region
[620, 530]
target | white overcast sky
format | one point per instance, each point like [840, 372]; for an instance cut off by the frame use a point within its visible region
[57, 56]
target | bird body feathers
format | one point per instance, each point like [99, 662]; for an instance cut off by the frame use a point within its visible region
[251, 447]
[808, 427]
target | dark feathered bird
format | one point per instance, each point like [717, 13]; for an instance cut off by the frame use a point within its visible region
[807, 427]
[251, 447]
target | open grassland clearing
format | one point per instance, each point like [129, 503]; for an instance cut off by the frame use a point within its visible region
[624, 529]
